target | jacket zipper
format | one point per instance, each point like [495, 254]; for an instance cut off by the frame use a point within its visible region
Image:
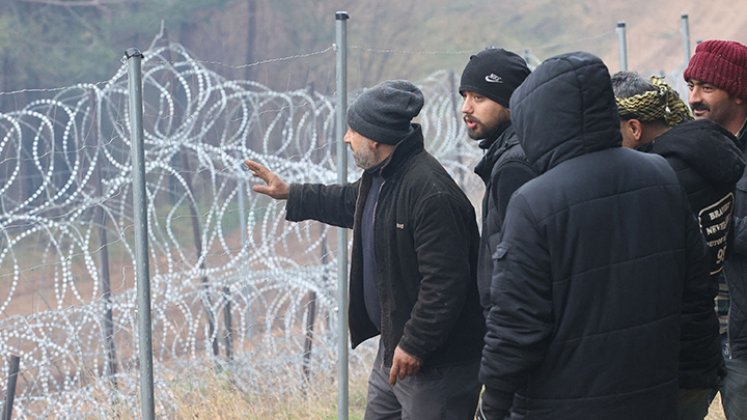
[378, 285]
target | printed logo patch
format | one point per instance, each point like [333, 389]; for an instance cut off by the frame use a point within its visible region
[715, 221]
[493, 78]
[400, 225]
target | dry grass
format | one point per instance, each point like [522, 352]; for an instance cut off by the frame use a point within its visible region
[211, 395]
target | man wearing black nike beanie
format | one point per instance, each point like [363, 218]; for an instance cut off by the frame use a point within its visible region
[488, 81]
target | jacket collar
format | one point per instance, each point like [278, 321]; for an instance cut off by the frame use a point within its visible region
[407, 147]
[706, 147]
[496, 148]
[742, 136]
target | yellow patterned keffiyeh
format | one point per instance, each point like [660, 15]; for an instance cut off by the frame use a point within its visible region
[661, 104]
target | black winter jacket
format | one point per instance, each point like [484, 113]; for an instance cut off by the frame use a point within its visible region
[598, 254]
[504, 169]
[736, 267]
[425, 239]
[708, 164]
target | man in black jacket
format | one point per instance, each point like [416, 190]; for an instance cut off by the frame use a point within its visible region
[488, 81]
[708, 165]
[412, 274]
[717, 78]
[600, 266]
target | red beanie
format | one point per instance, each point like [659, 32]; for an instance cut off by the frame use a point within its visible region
[722, 64]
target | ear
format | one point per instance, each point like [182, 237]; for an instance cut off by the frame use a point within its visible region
[636, 129]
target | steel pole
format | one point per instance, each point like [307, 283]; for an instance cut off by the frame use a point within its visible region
[341, 45]
[10, 392]
[621, 36]
[140, 206]
[685, 28]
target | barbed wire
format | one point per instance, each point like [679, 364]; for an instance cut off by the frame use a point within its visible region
[231, 280]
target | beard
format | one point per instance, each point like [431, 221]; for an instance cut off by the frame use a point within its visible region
[481, 131]
[365, 159]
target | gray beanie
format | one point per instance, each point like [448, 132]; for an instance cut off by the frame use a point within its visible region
[383, 112]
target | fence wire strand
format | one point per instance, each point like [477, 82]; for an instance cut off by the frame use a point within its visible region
[217, 249]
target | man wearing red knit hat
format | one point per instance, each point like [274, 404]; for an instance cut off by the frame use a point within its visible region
[717, 78]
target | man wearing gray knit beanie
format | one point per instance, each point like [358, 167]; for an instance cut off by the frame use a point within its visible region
[717, 79]
[412, 270]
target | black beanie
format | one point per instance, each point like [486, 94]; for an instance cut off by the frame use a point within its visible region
[494, 73]
[383, 112]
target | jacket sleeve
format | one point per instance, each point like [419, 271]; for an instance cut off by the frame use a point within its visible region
[700, 349]
[739, 227]
[520, 321]
[444, 233]
[330, 204]
[739, 236]
[506, 180]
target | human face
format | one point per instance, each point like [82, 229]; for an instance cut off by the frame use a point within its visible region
[363, 148]
[483, 116]
[708, 101]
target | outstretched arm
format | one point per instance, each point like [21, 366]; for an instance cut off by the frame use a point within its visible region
[275, 186]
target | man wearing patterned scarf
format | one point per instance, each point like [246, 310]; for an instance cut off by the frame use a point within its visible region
[708, 164]
[647, 108]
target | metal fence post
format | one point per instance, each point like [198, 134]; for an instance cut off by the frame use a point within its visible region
[140, 209]
[621, 36]
[99, 216]
[341, 18]
[10, 393]
[685, 28]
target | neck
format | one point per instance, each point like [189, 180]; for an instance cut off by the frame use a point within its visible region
[383, 151]
[740, 117]
[736, 126]
[654, 131]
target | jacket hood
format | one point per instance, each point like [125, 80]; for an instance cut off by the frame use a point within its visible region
[564, 109]
[705, 146]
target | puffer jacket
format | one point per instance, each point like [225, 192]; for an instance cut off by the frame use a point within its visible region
[736, 268]
[425, 242]
[708, 164]
[601, 266]
[503, 169]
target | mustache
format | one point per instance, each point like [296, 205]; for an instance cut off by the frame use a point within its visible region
[699, 106]
[468, 118]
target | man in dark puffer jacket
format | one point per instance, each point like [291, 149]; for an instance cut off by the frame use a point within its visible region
[708, 164]
[600, 267]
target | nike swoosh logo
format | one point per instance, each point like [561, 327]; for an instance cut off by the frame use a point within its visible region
[493, 78]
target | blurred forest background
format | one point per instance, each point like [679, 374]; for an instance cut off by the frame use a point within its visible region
[55, 43]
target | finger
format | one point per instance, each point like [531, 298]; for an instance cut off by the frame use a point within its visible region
[264, 174]
[405, 372]
[256, 168]
[262, 189]
[393, 374]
